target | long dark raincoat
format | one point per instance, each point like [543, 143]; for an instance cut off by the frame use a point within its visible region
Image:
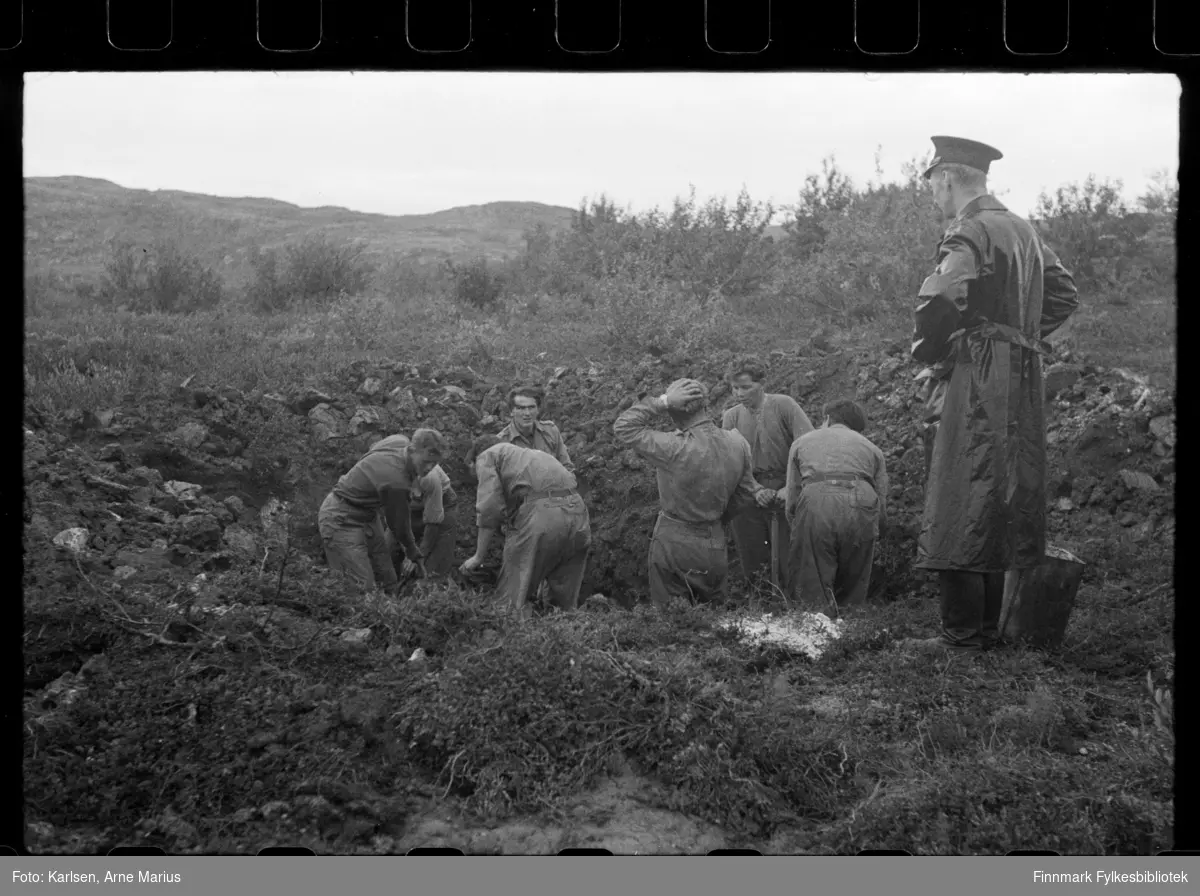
[997, 293]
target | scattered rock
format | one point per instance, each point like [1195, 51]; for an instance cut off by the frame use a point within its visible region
[402, 402]
[326, 423]
[190, 435]
[151, 558]
[365, 419]
[275, 809]
[111, 453]
[1059, 378]
[370, 386]
[356, 637]
[418, 655]
[121, 573]
[308, 400]
[1163, 429]
[456, 391]
[240, 541]
[74, 540]
[183, 491]
[235, 505]
[1065, 504]
[198, 530]
[1138, 481]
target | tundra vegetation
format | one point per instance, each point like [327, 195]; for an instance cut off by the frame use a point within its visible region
[196, 678]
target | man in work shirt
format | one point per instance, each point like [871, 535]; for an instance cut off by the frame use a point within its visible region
[549, 531]
[433, 503]
[378, 485]
[984, 314]
[836, 501]
[704, 475]
[526, 430]
[770, 423]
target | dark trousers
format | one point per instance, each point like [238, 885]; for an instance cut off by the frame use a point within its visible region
[971, 603]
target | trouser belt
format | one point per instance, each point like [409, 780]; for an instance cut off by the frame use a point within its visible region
[836, 477]
[551, 493]
[703, 524]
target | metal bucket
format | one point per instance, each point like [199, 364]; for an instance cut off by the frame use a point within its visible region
[1038, 602]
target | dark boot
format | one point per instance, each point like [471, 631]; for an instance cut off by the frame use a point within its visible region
[963, 601]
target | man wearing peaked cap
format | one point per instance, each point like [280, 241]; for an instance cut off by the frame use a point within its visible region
[959, 151]
[980, 324]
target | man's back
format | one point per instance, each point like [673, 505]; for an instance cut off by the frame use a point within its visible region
[507, 473]
[837, 449]
[384, 464]
[699, 471]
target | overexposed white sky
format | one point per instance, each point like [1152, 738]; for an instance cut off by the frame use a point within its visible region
[416, 142]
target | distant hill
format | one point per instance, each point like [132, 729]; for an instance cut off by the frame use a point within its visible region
[69, 222]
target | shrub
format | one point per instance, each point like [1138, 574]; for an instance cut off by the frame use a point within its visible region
[312, 273]
[164, 277]
[474, 285]
[318, 269]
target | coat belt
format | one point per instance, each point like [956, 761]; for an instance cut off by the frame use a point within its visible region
[1004, 333]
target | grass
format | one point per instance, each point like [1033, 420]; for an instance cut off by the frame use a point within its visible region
[867, 748]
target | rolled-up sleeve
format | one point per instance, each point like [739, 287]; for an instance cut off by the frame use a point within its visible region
[432, 487]
[1060, 297]
[747, 487]
[490, 506]
[633, 428]
[882, 485]
[792, 489]
[943, 299]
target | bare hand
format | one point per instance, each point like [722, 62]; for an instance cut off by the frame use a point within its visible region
[765, 497]
[680, 396]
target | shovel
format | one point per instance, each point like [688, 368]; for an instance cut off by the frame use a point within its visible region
[775, 537]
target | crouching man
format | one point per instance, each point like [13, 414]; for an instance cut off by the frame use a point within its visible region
[433, 503]
[548, 533]
[376, 489]
[837, 487]
[704, 477]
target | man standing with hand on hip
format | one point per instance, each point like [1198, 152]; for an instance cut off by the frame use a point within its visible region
[770, 423]
[983, 315]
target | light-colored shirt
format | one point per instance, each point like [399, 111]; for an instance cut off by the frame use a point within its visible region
[506, 474]
[545, 437]
[431, 492]
[770, 432]
[703, 471]
[834, 449]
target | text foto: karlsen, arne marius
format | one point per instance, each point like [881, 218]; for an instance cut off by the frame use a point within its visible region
[110, 877]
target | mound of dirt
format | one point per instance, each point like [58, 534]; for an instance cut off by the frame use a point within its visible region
[177, 485]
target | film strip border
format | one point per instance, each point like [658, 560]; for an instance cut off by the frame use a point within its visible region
[600, 34]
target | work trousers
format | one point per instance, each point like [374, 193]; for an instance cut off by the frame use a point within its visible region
[548, 541]
[437, 541]
[970, 607]
[833, 544]
[752, 535]
[688, 560]
[356, 542]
